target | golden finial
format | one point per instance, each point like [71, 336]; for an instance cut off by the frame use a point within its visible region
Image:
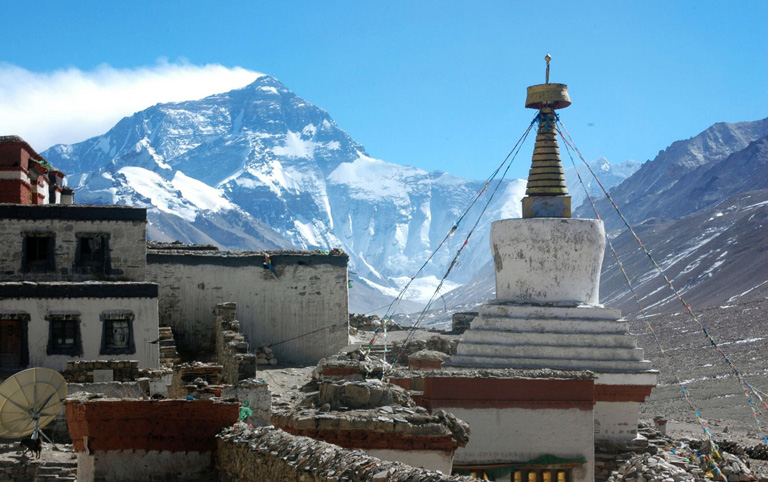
[546, 195]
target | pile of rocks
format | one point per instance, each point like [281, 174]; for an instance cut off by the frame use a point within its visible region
[666, 466]
[427, 360]
[370, 323]
[757, 452]
[662, 467]
[361, 394]
[434, 343]
[264, 355]
[372, 414]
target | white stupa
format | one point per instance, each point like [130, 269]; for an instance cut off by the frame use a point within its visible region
[547, 312]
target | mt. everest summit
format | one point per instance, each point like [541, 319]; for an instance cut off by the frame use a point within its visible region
[261, 168]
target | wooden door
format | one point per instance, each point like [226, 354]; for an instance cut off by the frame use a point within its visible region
[10, 343]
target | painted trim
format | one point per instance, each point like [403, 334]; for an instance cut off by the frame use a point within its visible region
[622, 393]
[533, 394]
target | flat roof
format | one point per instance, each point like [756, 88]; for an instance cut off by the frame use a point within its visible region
[88, 289]
[72, 212]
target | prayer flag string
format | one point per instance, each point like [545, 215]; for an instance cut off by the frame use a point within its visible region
[393, 307]
[748, 389]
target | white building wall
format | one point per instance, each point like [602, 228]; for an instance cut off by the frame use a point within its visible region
[306, 301]
[516, 435]
[145, 327]
[425, 459]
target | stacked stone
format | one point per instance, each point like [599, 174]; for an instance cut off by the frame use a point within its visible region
[81, 371]
[662, 467]
[264, 355]
[232, 347]
[197, 380]
[434, 343]
[267, 453]
[169, 356]
[668, 467]
[460, 321]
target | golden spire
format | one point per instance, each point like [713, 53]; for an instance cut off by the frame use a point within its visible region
[546, 193]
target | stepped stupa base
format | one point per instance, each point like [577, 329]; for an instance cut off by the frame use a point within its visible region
[512, 335]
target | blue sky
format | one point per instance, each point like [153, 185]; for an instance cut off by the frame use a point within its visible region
[437, 85]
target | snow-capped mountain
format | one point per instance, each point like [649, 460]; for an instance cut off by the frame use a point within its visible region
[687, 176]
[610, 175]
[260, 167]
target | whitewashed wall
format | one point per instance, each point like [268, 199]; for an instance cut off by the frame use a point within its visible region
[145, 327]
[518, 434]
[306, 299]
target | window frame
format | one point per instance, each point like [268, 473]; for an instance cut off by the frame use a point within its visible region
[107, 317]
[28, 266]
[73, 350]
[78, 266]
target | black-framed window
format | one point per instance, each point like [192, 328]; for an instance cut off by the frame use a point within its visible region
[117, 333]
[38, 252]
[92, 253]
[64, 334]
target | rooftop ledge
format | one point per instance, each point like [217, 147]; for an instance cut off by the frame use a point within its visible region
[72, 212]
[87, 289]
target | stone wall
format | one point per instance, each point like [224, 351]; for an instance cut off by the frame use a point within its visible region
[232, 346]
[101, 371]
[303, 298]
[125, 228]
[267, 453]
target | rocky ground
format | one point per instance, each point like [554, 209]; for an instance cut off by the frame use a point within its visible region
[741, 331]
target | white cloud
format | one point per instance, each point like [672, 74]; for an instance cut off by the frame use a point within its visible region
[71, 105]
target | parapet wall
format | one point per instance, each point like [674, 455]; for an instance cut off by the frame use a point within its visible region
[267, 453]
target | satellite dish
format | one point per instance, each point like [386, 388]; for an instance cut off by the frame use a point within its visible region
[29, 401]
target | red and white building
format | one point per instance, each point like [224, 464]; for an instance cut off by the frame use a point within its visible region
[27, 178]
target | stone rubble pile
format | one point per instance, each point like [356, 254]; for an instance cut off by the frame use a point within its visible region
[369, 323]
[267, 453]
[662, 467]
[757, 452]
[434, 343]
[669, 467]
[264, 355]
[614, 463]
[364, 394]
